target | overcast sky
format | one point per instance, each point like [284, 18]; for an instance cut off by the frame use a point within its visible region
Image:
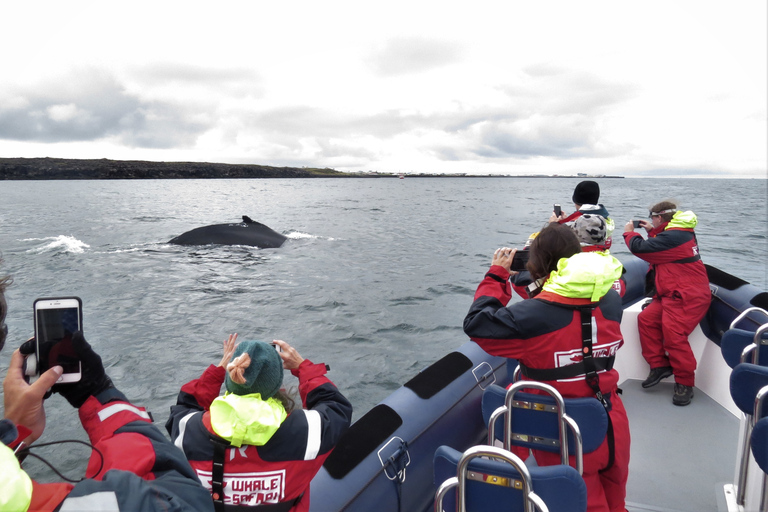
[634, 88]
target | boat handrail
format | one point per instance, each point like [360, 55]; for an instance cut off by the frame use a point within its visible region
[745, 313]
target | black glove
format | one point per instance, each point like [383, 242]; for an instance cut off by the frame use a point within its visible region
[93, 381]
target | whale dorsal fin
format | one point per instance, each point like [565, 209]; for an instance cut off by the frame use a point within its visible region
[248, 220]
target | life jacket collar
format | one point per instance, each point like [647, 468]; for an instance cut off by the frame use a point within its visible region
[246, 419]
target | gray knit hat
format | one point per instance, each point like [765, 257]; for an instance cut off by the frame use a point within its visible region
[256, 367]
[590, 229]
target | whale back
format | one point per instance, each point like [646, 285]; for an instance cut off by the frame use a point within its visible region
[248, 232]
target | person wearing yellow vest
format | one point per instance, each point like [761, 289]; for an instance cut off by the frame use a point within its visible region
[249, 447]
[546, 334]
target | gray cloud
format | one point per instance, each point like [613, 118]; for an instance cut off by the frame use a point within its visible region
[91, 105]
[406, 55]
[237, 82]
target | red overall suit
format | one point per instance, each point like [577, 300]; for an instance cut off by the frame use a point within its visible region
[544, 333]
[681, 298]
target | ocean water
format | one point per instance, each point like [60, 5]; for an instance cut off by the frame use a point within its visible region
[375, 279]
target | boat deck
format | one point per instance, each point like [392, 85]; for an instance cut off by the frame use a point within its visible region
[681, 456]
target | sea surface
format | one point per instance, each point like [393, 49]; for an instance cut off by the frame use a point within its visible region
[375, 279]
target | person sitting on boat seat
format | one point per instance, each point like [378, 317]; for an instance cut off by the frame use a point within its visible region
[546, 335]
[132, 467]
[681, 295]
[249, 447]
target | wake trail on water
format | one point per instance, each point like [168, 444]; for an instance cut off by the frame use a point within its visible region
[57, 244]
[298, 235]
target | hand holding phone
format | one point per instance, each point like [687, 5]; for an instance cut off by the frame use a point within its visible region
[56, 321]
[558, 211]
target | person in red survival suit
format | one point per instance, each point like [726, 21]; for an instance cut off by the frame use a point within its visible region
[132, 467]
[267, 453]
[545, 334]
[680, 299]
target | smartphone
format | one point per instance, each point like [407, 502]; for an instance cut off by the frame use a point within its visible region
[519, 260]
[636, 223]
[56, 321]
[277, 347]
[557, 210]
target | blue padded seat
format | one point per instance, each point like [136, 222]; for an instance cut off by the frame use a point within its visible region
[746, 381]
[588, 413]
[561, 488]
[735, 340]
[733, 343]
[760, 444]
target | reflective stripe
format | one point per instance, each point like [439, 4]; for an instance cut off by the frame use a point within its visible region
[116, 408]
[314, 427]
[182, 429]
[105, 501]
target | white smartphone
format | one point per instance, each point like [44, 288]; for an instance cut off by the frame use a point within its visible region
[56, 320]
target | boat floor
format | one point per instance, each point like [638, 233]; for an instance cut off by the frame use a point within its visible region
[681, 457]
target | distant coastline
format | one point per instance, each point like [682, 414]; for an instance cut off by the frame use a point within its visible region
[104, 169]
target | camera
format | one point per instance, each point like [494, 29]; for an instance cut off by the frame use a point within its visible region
[636, 223]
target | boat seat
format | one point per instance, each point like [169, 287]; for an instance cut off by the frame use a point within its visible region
[487, 476]
[740, 345]
[759, 440]
[543, 421]
[749, 387]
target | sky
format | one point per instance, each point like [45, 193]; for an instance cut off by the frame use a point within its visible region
[633, 88]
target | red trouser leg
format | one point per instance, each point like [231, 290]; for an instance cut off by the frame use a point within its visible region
[607, 491]
[679, 319]
[649, 327]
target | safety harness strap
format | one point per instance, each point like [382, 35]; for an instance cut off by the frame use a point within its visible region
[567, 372]
[593, 380]
[217, 486]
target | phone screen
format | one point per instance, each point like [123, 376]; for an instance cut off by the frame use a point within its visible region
[54, 328]
[520, 259]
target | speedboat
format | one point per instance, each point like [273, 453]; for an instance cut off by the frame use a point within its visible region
[682, 458]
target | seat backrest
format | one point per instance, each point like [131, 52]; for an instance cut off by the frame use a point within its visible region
[588, 413]
[490, 483]
[746, 381]
[760, 444]
[735, 340]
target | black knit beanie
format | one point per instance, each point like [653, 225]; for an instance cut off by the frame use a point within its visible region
[586, 192]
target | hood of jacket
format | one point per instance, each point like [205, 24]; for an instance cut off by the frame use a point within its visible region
[586, 275]
[686, 220]
[246, 419]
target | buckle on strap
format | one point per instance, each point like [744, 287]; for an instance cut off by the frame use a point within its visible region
[483, 373]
